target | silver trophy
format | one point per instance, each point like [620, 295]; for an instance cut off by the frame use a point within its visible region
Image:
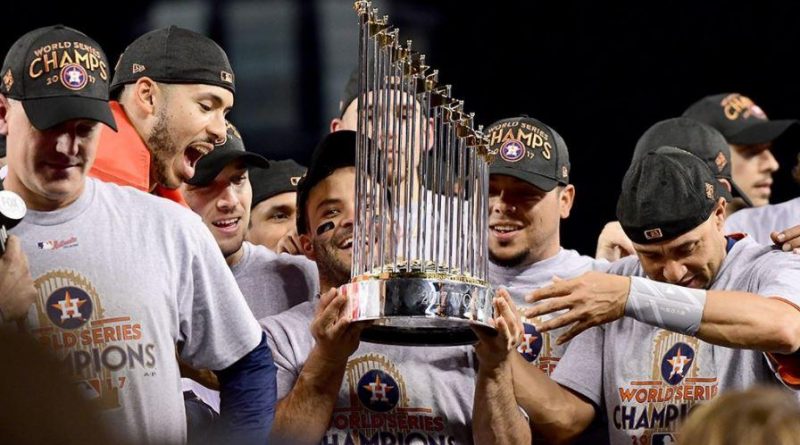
[420, 234]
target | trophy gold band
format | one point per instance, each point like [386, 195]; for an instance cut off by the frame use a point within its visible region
[419, 267]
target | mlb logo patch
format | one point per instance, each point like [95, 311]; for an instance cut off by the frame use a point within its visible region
[653, 234]
[8, 80]
[226, 76]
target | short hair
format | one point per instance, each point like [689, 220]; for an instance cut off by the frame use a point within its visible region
[759, 415]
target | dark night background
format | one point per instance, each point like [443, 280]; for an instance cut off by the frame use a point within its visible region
[599, 74]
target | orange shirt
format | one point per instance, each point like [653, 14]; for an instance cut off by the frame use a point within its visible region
[123, 158]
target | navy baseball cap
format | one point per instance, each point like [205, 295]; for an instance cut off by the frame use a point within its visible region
[280, 177]
[697, 138]
[666, 193]
[174, 55]
[738, 118]
[210, 165]
[58, 74]
[527, 149]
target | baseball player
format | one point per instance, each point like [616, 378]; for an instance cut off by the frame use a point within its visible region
[693, 314]
[122, 277]
[274, 207]
[172, 89]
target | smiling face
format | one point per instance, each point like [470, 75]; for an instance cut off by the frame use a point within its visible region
[690, 260]
[224, 205]
[524, 220]
[47, 168]
[330, 209]
[189, 121]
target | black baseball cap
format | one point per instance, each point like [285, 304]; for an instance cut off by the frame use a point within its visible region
[336, 150]
[280, 177]
[738, 118]
[58, 74]
[666, 193]
[527, 149]
[697, 138]
[209, 166]
[174, 55]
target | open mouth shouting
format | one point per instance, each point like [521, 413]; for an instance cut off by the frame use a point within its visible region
[192, 154]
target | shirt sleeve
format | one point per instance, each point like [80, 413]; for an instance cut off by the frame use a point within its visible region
[780, 280]
[581, 367]
[286, 361]
[216, 326]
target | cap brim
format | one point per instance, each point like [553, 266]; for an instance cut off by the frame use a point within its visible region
[204, 176]
[51, 111]
[539, 181]
[761, 132]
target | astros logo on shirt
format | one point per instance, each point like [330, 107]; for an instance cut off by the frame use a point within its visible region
[676, 363]
[531, 344]
[378, 391]
[69, 307]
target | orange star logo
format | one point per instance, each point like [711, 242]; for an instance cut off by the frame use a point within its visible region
[678, 362]
[378, 389]
[69, 307]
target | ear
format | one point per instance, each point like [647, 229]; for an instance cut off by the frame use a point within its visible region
[4, 106]
[565, 200]
[336, 124]
[725, 183]
[308, 247]
[145, 96]
[719, 214]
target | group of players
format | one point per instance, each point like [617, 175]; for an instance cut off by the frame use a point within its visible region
[691, 293]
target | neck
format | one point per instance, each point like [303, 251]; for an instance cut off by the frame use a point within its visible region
[234, 258]
[541, 253]
[37, 202]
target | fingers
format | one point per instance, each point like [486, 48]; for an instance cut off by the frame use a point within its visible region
[546, 307]
[558, 289]
[13, 250]
[558, 322]
[573, 331]
[788, 239]
[325, 299]
[289, 243]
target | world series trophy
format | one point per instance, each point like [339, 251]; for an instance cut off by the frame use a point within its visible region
[419, 266]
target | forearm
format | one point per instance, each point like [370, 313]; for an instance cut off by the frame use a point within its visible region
[749, 321]
[496, 417]
[247, 397]
[555, 413]
[303, 416]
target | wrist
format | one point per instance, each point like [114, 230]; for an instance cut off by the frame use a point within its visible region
[664, 305]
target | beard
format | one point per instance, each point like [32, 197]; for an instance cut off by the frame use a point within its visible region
[332, 268]
[162, 149]
[514, 261]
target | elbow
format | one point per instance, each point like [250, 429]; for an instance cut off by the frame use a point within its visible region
[787, 338]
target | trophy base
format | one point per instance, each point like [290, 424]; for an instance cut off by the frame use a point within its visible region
[411, 309]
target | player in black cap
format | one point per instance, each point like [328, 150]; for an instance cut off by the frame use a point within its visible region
[695, 137]
[694, 307]
[751, 135]
[274, 211]
[124, 276]
[173, 88]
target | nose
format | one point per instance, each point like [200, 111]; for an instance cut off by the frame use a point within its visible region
[500, 205]
[768, 161]
[674, 271]
[228, 200]
[217, 129]
[67, 143]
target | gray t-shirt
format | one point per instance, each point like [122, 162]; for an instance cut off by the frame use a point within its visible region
[271, 282]
[648, 378]
[123, 277]
[541, 348]
[759, 222]
[390, 394]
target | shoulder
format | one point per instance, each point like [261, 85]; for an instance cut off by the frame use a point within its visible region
[288, 321]
[629, 265]
[138, 205]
